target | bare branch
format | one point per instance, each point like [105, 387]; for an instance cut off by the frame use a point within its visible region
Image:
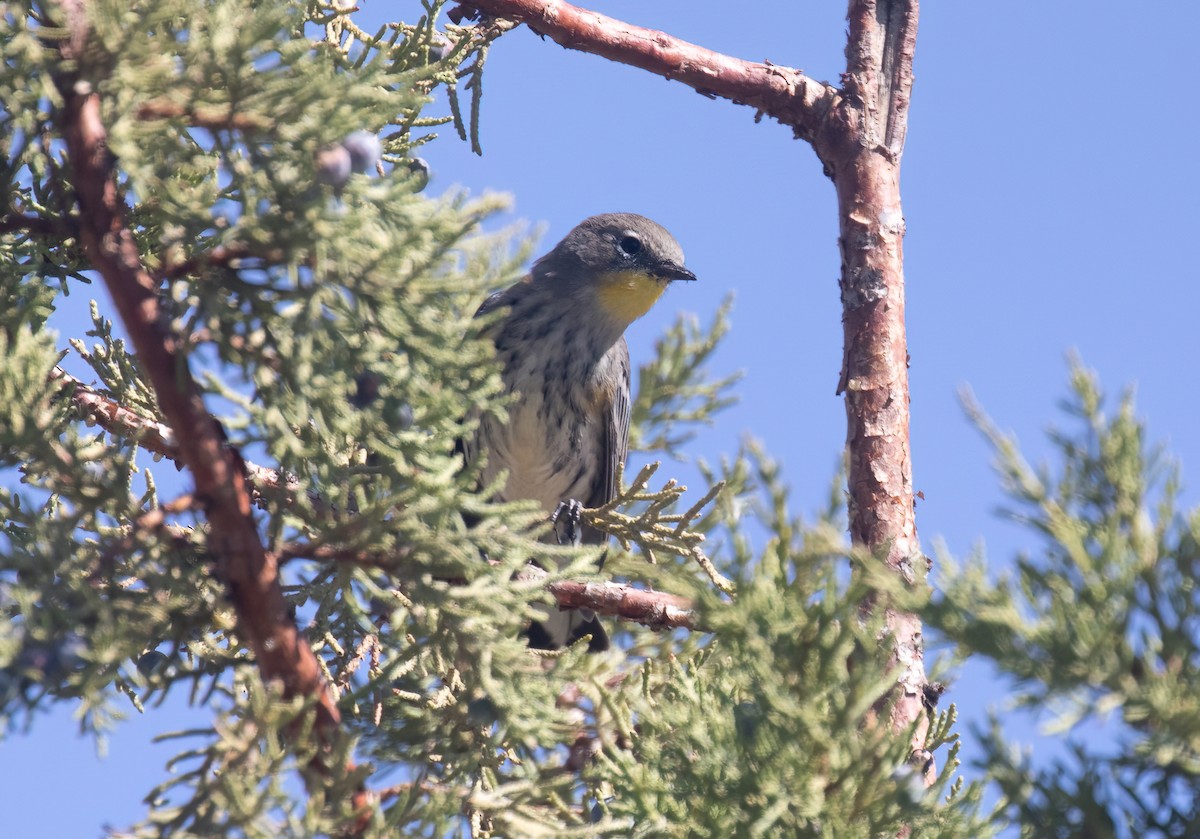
[879, 57]
[862, 151]
[326, 553]
[783, 93]
[655, 609]
[154, 436]
[251, 575]
[150, 434]
[12, 222]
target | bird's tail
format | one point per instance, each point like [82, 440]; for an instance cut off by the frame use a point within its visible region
[563, 627]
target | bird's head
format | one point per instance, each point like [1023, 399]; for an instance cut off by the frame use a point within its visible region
[626, 260]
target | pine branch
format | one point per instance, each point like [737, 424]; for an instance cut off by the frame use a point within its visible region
[156, 437]
[251, 574]
[655, 609]
[222, 256]
[782, 93]
[652, 529]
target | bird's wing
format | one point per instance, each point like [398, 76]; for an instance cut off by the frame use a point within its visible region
[616, 441]
[616, 431]
[467, 448]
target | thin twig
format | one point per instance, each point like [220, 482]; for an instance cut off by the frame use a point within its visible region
[157, 437]
[655, 609]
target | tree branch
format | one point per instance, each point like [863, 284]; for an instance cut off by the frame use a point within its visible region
[782, 93]
[222, 256]
[14, 221]
[879, 57]
[249, 572]
[861, 148]
[655, 609]
[154, 436]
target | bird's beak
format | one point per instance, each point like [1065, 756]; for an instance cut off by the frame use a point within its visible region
[670, 271]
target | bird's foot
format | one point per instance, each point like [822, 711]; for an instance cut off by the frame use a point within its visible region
[567, 520]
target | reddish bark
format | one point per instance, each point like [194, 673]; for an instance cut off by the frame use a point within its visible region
[251, 575]
[861, 145]
[157, 438]
[214, 119]
[40, 225]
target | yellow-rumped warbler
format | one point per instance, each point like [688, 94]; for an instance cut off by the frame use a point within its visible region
[562, 345]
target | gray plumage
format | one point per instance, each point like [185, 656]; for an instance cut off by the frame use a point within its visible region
[563, 352]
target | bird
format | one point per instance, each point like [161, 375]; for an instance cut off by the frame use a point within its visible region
[561, 345]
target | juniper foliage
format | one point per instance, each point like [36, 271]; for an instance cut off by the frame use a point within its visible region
[327, 316]
[1097, 626]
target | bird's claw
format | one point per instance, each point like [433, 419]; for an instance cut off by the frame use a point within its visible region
[567, 520]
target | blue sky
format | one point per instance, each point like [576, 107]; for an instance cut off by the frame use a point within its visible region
[1049, 189]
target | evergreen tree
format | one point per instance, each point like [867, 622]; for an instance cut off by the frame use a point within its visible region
[1099, 626]
[328, 580]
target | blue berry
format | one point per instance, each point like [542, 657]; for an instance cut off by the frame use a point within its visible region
[333, 166]
[152, 662]
[365, 151]
[420, 170]
[402, 416]
[746, 718]
[366, 389]
[439, 47]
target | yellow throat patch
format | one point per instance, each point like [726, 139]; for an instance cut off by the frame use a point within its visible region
[627, 295]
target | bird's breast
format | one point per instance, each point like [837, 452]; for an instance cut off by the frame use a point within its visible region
[552, 444]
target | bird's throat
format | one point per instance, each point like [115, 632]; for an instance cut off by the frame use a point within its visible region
[627, 295]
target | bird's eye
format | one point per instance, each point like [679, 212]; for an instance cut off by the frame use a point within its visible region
[630, 245]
